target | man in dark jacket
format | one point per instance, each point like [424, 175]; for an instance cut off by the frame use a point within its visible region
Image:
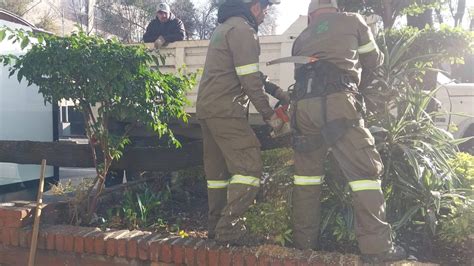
[165, 28]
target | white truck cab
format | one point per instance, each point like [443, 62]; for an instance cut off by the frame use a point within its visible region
[23, 116]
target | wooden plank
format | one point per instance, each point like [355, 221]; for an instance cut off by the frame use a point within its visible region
[68, 154]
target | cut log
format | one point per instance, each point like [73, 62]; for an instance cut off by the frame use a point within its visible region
[68, 154]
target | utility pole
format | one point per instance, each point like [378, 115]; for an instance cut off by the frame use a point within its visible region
[90, 16]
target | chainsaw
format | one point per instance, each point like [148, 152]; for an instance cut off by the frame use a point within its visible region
[282, 112]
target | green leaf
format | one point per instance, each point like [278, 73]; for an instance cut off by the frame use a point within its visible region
[19, 75]
[2, 34]
[25, 42]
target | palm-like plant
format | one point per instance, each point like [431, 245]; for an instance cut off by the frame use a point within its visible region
[416, 153]
[418, 177]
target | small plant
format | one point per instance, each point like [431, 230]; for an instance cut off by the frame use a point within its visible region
[62, 188]
[183, 234]
[139, 209]
[270, 220]
[343, 231]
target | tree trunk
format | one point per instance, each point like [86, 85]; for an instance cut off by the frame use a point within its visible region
[430, 78]
[459, 13]
[387, 14]
[422, 20]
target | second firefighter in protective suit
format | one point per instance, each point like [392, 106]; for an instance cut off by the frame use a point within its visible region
[327, 115]
[232, 159]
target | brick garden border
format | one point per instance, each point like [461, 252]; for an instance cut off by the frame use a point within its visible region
[75, 245]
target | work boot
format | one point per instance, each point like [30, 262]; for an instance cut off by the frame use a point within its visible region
[396, 253]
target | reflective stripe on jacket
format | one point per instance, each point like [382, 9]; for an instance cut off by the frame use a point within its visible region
[231, 73]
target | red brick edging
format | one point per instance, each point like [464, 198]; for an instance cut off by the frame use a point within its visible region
[75, 245]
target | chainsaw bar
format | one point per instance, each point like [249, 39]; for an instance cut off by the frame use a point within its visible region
[294, 59]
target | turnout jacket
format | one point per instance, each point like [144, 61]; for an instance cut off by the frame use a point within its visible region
[343, 39]
[231, 73]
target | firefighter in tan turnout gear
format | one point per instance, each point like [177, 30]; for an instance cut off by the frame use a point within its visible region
[327, 115]
[232, 158]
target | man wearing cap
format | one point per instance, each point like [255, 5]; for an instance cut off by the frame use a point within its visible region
[165, 28]
[327, 115]
[231, 78]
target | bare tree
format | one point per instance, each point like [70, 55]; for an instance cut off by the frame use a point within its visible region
[46, 22]
[457, 9]
[206, 19]
[78, 12]
[126, 19]
[185, 10]
[269, 26]
[19, 7]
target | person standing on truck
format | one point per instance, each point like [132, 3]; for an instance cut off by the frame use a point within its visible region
[327, 114]
[165, 28]
[232, 158]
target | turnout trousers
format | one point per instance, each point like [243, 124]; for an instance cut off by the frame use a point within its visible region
[360, 163]
[233, 168]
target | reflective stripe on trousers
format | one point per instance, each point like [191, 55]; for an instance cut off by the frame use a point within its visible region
[307, 180]
[365, 184]
[245, 180]
[216, 184]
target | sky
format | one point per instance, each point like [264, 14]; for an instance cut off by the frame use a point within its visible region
[289, 11]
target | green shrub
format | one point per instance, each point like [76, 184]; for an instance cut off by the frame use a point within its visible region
[457, 220]
[270, 220]
[117, 82]
[463, 166]
[457, 208]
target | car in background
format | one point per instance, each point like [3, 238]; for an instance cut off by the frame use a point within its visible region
[457, 108]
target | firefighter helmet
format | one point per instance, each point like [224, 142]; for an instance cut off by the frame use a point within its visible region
[318, 4]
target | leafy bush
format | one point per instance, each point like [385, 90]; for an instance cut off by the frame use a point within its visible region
[106, 80]
[457, 209]
[445, 43]
[463, 166]
[456, 219]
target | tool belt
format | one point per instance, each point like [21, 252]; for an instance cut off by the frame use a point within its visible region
[331, 133]
[319, 79]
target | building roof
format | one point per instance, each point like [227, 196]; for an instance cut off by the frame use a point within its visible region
[9, 16]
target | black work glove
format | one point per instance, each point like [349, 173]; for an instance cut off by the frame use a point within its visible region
[275, 91]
